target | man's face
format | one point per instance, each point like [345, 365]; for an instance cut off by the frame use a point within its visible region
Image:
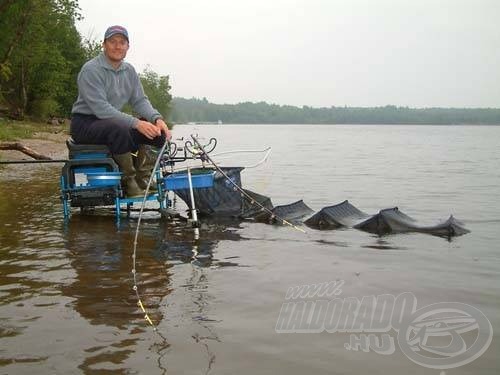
[116, 47]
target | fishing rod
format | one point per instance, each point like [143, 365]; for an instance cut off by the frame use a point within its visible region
[243, 192]
[44, 161]
[260, 162]
[203, 155]
[263, 160]
[241, 151]
[136, 236]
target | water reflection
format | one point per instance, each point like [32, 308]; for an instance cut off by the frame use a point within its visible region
[101, 292]
[33, 266]
[381, 242]
[181, 244]
[195, 254]
[102, 259]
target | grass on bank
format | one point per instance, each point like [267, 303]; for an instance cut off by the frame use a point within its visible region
[18, 130]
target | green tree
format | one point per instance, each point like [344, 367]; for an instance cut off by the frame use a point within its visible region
[40, 55]
[157, 89]
[91, 48]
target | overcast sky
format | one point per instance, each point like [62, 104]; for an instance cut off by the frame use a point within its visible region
[417, 53]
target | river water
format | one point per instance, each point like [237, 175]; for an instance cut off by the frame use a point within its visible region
[66, 298]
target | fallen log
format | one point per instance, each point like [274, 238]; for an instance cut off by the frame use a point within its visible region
[24, 149]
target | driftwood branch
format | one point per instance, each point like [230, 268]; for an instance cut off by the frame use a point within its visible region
[26, 150]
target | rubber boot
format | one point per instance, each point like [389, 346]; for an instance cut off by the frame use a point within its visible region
[144, 164]
[126, 164]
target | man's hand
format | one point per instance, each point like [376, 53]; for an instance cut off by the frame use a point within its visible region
[148, 129]
[164, 128]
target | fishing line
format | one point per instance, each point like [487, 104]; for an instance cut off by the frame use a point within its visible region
[243, 192]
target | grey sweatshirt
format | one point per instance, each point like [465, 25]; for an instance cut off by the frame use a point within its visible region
[103, 91]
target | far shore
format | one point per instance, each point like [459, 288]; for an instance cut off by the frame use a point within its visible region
[50, 140]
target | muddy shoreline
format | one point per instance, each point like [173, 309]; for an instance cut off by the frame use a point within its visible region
[52, 145]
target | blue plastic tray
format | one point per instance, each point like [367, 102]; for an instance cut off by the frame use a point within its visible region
[103, 178]
[179, 181]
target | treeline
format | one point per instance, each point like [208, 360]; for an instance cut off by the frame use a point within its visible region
[200, 110]
[41, 53]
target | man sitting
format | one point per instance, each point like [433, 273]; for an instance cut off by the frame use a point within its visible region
[105, 84]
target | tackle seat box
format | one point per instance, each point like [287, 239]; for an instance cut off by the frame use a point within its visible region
[86, 151]
[86, 158]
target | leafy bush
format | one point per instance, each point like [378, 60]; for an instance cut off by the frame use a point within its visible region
[42, 109]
